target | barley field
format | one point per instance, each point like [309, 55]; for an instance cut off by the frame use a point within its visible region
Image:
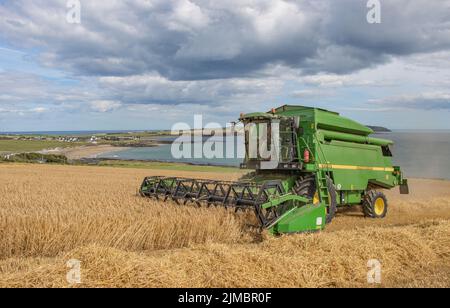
[52, 214]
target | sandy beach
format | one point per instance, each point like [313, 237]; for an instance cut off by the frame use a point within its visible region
[91, 151]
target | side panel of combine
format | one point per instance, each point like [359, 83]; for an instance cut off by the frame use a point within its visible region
[355, 165]
[354, 161]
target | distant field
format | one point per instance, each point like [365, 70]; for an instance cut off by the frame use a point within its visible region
[168, 166]
[14, 146]
[52, 214]
[138, 134]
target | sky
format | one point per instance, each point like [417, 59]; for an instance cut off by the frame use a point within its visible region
[148, 64]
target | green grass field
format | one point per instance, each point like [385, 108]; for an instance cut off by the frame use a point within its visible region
[19, 146]
[138, 134]
[168, 166]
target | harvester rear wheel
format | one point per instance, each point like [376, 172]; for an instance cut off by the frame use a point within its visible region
[307, 187]
[375, 204]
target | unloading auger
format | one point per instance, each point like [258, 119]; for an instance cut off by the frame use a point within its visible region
[325, 161]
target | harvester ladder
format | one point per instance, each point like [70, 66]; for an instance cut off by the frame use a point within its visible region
[322, 177]
[322, 181]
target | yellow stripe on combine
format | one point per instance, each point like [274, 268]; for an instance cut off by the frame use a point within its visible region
[345, 167]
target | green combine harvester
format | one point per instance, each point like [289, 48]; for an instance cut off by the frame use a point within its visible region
[324, 161]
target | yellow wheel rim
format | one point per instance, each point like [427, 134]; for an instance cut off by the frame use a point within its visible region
[316, 199]
[379, 206]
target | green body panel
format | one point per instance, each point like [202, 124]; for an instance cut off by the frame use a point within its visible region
[307, 218]
[351, 197]
[354, 165]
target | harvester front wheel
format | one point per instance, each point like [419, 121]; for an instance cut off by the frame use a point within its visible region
[307, 187]
[375, 205]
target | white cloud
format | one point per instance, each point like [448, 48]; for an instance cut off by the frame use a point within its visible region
[187, 16]
[326, 80]
[39, 110]
[416, 101]
[104, 105]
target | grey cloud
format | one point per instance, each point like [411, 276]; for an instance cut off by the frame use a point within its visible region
[29, 93]
[406, 27]
[23, 91]
[155, 89]
[195, 40]
[424, 101]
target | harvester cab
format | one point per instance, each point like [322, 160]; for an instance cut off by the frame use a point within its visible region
[307, 162]
[270, 141]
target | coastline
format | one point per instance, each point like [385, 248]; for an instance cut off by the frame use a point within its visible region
[82, 152]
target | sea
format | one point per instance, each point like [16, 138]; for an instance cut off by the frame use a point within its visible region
[421, 154]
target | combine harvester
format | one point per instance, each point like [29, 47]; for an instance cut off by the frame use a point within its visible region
[325, 161]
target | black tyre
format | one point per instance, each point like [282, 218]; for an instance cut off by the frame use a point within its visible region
[375, 205]
[307, 187]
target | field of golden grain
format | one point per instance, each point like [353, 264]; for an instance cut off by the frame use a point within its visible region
[52, 214]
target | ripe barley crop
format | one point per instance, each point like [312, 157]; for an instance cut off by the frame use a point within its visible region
[46, 211]
[50, 214]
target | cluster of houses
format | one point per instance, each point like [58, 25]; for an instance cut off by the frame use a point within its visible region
[72, 139]
[68, 139]
[44, 138]
[121, 138]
